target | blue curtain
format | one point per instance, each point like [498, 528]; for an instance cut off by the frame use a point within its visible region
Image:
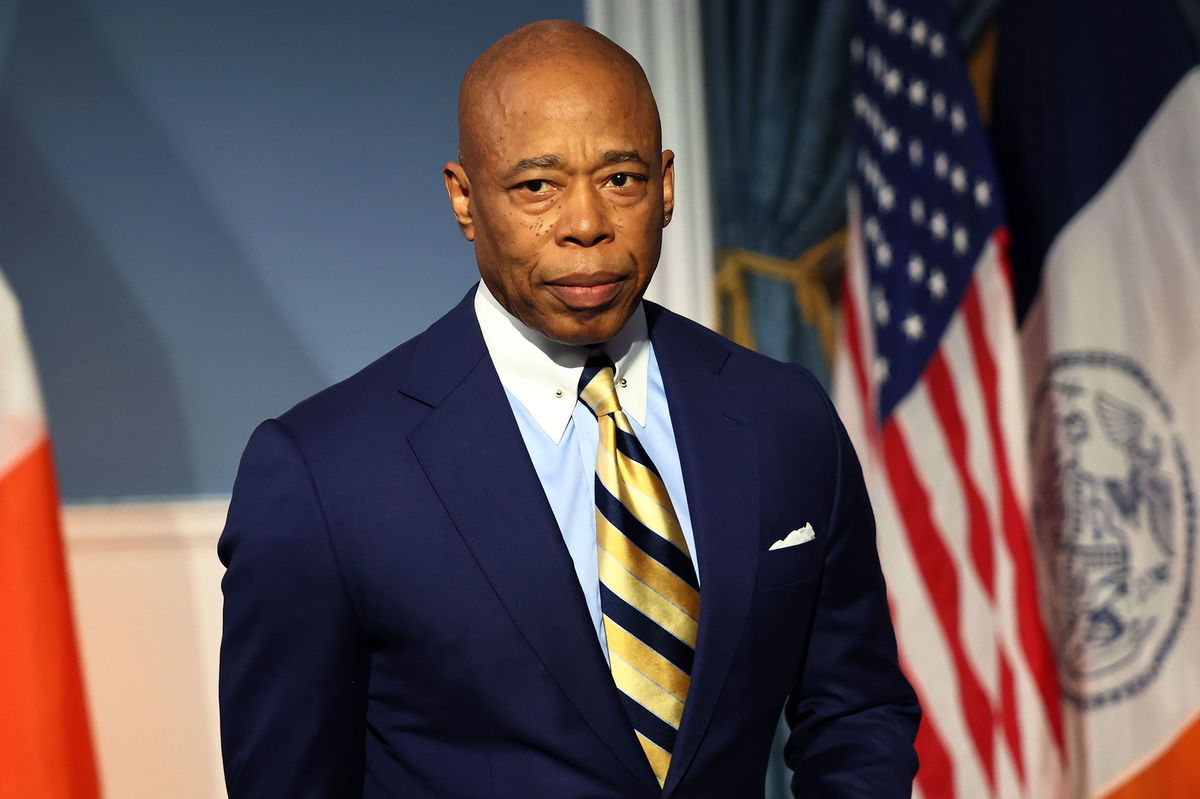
[778, 92]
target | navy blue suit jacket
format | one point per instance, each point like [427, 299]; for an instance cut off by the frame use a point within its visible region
[402, 618]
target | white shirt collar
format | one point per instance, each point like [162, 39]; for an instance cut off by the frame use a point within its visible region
[544, 375]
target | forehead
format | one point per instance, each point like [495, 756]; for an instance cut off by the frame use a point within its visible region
[568, 106]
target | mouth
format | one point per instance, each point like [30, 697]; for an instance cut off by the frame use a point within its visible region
[581, 290]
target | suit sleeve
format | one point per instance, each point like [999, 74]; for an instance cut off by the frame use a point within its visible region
[293, 657]
[854, 717]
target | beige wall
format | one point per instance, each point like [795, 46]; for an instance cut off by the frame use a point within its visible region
[147, 597]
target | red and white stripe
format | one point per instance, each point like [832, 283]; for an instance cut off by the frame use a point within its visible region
[945, 475]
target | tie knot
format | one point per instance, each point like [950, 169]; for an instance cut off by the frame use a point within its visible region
[596, 386]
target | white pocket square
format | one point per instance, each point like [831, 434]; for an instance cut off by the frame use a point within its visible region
[795, 537]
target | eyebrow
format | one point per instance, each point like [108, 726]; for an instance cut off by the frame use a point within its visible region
[555, 161]
[545, 161]
[622, 156]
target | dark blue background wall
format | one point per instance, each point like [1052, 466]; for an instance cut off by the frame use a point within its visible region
[210, 210]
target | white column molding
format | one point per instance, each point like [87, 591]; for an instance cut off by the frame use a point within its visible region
[664, 35]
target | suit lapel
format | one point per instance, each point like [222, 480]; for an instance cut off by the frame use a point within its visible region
[472, 452]
[719, 462]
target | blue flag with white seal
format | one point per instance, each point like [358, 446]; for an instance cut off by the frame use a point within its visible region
[1097, 135]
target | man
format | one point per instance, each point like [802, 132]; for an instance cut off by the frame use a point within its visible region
[449, 577]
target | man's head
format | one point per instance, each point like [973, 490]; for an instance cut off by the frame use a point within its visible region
[560, 183]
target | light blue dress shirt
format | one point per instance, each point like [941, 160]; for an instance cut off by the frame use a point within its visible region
[540, 379]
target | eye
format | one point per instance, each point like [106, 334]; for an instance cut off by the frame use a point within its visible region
[538, 187]
[626, 183]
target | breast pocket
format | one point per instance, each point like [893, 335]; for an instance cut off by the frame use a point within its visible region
[789, 564]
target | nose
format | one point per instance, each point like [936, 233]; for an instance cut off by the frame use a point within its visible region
[584, 220]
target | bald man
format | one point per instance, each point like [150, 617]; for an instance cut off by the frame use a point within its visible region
[564, 543]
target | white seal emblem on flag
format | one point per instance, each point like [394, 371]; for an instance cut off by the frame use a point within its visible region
[1114, 519]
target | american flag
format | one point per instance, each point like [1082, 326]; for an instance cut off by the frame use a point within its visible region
[928, 382]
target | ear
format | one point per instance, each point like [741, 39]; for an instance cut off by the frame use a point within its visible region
[668, 180]
[458, 188]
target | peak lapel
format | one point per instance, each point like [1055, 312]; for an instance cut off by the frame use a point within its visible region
[720, 476]
[472, 452]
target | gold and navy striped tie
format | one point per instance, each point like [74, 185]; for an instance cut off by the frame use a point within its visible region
[649, 593]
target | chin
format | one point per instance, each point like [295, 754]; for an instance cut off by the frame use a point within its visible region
[575, 334]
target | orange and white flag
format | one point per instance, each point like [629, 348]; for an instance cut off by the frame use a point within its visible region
[45, 744]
